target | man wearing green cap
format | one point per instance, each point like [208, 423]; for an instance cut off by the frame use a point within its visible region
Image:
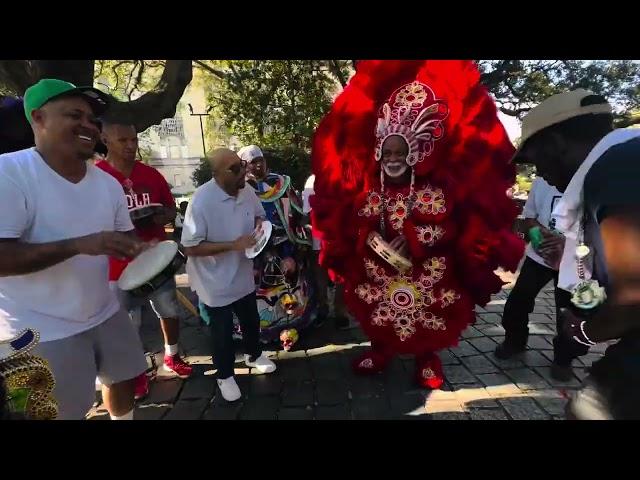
[60, 218]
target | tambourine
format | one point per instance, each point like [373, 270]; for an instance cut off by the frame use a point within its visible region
[142, 215]
[384, 250]
[262, 234]
[151, 269]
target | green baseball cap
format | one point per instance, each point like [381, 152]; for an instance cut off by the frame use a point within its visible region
[48, 89]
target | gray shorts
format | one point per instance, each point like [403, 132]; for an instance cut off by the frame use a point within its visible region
[112, 352]
[163, 301]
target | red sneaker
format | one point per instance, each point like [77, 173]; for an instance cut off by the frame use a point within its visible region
[142, 386]
[429, 371]
[177, 365]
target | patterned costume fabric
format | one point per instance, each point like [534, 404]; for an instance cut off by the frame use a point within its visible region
[454, 211]
[26, 379]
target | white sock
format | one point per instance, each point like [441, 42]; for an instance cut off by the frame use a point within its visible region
[171, 350]
[126, 416]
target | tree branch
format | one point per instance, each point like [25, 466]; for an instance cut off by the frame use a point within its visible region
[513, 112]
[209, 69]
[334, 68]
[161, 101]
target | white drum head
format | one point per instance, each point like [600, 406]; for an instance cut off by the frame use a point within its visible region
[147, 265]
[262, 237]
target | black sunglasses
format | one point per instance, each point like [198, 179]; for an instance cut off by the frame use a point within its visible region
[236, 168]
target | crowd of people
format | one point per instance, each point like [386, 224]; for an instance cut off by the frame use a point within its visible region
[407, 223]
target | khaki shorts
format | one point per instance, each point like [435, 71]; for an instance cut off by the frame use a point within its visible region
[111, 351]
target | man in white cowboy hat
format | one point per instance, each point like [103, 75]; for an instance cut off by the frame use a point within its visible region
[569, 139]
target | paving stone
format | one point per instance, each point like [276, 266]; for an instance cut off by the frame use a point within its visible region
[373, 408]
[581, 373]
[538, 342]
[284, 355]
[296, 413]
[493, 330]
[490, 318]
[507, 390]
[463, 349]
[540, 318]
[479, 364]
[327, 367]
[188, 410]
[541, 329]
[443, 406]
[588, 359]
[514, 362]
[450, 416]
[458, 374]
[448, 358]
[494, 379]
[260, 408]
[331, 392]
[367, 387]
[335, 412]
[494, 308]
[326, 350]
[406, 404]
[523, 409]
[471, 332]
[163, 391]
[483, 344]
[296, 369]
[526, 379]
[467, 395]
[533, 358]
[296, 394]
[198, 387]
[482, 403]
[230, 411]
[549, 355]
[546, 374]
[553, 406]
[487, 414]
[150, 412]
[600, 348]
[262, 385]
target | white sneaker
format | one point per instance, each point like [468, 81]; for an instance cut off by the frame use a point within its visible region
[229, 389]
[262, 364]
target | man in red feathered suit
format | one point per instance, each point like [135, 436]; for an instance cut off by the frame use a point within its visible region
[412, 168]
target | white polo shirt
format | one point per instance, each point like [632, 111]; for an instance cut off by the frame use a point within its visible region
[215, 216]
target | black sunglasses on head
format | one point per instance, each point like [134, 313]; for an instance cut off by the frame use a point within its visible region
[236, 168]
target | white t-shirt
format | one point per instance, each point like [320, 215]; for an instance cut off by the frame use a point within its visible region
[306, 206]
[214, 216]
[39, 206]
[540, 204]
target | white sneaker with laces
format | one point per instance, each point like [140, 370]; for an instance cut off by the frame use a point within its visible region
[229, 389]
[262, 364]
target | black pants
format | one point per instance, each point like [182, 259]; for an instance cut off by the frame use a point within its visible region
[222, 332]
[515, 319]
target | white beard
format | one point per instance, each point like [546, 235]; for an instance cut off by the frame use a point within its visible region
[394, 173]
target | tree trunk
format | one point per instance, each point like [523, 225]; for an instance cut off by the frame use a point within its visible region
[161, 101]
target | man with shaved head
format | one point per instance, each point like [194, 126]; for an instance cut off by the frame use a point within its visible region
[144, 185]
[218, 227]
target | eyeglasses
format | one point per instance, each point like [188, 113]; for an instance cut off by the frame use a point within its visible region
[236, 168]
